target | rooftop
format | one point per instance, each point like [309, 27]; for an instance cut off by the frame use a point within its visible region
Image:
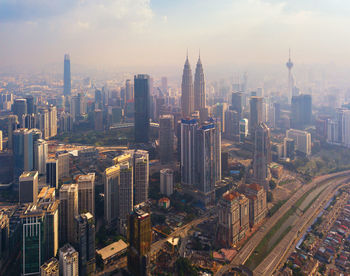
[112, 249]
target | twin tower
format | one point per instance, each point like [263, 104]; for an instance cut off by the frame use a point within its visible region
[193, 94]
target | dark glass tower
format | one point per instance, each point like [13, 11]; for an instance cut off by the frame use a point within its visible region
[141, 84]
[66, 76]
[301, 111]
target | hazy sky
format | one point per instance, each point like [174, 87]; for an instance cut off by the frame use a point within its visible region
[119, 33]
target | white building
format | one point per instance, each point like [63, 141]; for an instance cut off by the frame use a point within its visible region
[243, 130]
[40, 155]
[69, 261]
[63, 164]
[166, 182]
[302, 140]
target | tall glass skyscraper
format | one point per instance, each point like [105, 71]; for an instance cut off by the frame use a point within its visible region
[66, 76]
[142, 114]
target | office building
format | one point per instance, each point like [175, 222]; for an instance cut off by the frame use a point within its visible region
[40, 232]
[256, 114]
[22, 151]
[20, 108]
[30, 104]
[219, 111]
[142, 112]
[289, 148]
[65, 122]
[166, 138]
[86, 193]
[231, 124]
[301, 111]
[111, 180]
[140, 164]
[166, 182]
[63, 159]
[40, 156]
[140, 239]
[50, 268]
[68, 211]
[43, 122]
[98, 120]
[85, 243]
[237, 103]
[13, 124]
[188, 151]
[302, 140]
[262, 155]
[1, 146]
[243, 130]
[69, 261]
[233, 218]
[187, 91]
[52, 173]
[129, 90]
[28, 187]
[199, 86]
[66, 76]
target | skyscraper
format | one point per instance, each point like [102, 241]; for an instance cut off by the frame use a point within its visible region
[199, 86]
[40, 155]
[20, 108]
[52, 121]
[142, 113]
[256, 114]
[125, 196]
[237, 103]
[188, 153]
[140, 238]
[86, 193]
[0, 140]
[30, 104]
[166, 138]
[187, 93]
[262, 155]
[12, 126]
[166, 182]
[129, 90]
[85, 243]
[52, 173]
[66, 76]
[23, 151]
[141, 175]
[68, 211]
[111, 180]
[301, 111]
[28, 187]
[63, 159]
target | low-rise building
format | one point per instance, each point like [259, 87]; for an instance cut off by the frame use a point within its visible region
[113, 251]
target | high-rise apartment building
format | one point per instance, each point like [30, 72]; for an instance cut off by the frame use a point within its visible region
[262, 155]
[86, 193]
[1, 141]
[140, 238]
[256, 114]
[68, 211]
[142, 112]
[166, 138]
[166, 182]
[66, 76]
[52, 172]
[257, 203]
[187, 91]
[199, 86]
[52, 121]
[69, 261]
[85, 243]
[28, 187]
[243, 130]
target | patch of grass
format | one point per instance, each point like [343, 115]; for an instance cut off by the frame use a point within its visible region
[276, 207]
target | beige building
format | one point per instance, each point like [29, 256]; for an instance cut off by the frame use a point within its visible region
[50, 268]
[233, 218]
[257, 203]
[28, 187]
[69, 261]
[68, 211]
[52, 121]
[63, 164]
[86, 190]
[302, 140]
[111, 180]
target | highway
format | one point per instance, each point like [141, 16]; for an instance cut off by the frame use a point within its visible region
[248, 248]
[276, 256]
